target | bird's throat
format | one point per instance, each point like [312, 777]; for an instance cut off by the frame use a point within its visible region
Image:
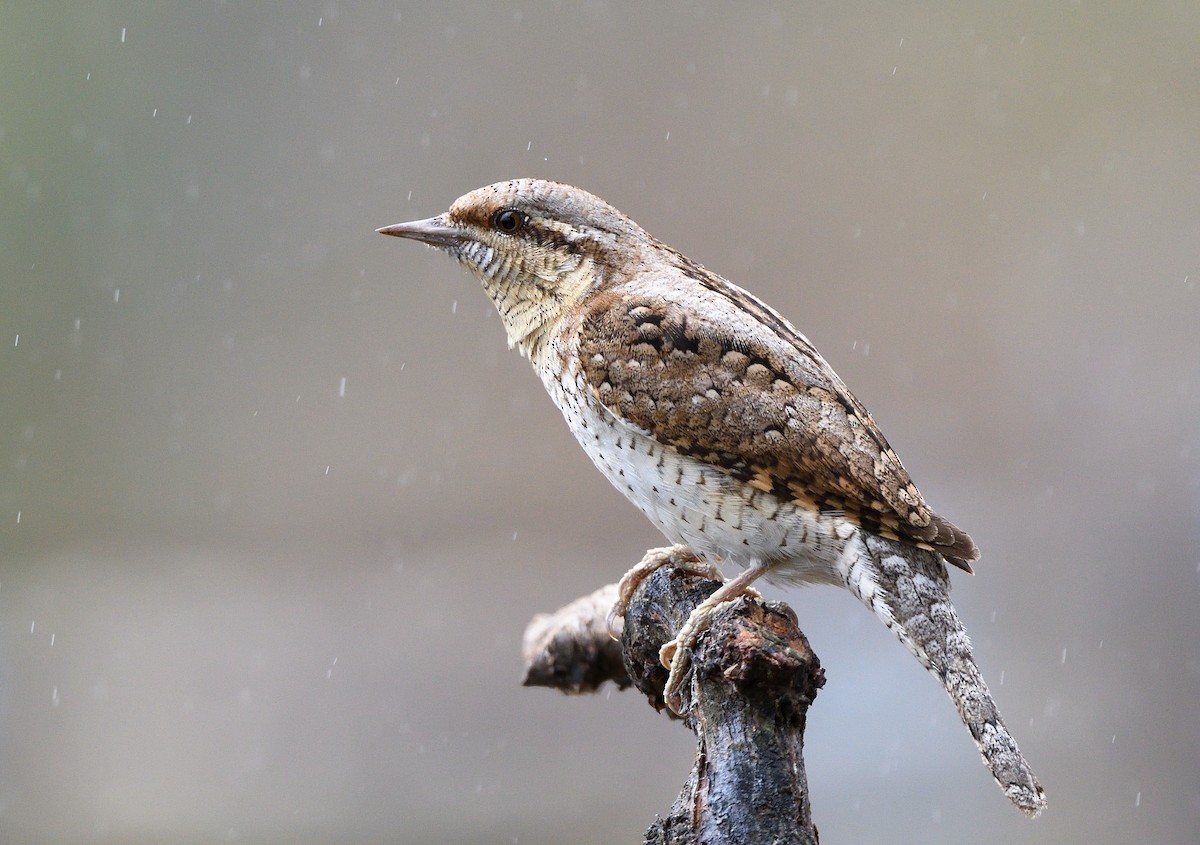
[530, 312]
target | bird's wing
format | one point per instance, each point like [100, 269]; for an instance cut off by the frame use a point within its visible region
[700, 375]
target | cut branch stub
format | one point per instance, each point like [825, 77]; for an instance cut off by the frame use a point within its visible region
[754, 677]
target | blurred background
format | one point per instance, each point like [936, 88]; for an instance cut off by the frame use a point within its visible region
[276, 502]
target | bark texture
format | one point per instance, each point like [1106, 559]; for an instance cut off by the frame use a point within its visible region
[752, 679]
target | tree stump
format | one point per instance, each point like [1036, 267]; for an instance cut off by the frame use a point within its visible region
[752, 678]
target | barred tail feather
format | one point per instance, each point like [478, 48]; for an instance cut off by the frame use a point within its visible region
[908, 589]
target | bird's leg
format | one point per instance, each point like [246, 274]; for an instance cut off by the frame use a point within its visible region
[676, 655]
[681, 557]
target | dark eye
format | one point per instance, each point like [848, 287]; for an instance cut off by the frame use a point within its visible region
[509, 220]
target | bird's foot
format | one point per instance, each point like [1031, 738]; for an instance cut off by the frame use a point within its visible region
[676, 655]
[681, 557]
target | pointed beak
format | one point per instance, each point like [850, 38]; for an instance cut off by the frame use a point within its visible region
[435, 231]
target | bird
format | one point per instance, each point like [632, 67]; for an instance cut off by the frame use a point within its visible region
[724, 425]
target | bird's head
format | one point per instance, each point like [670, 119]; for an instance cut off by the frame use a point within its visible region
[536, 246]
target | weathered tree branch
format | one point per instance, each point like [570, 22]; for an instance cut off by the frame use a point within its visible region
[753, 678]
[570, 649]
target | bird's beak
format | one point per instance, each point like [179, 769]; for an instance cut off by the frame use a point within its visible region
[435, 231]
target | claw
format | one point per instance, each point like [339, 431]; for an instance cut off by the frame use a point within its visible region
[680, 658]
[615, 615]
[666, 654]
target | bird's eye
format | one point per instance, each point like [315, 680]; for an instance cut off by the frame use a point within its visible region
[509, 220]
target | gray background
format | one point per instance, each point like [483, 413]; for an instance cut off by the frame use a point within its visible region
[241, 602]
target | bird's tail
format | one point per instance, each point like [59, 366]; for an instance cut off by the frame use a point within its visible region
[909, 591]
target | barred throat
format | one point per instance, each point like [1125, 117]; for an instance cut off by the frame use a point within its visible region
[531, 289]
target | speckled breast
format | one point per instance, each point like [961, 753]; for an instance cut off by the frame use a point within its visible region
[698, 504]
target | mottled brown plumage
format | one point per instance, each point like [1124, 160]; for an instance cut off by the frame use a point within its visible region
[766, 408]
[720, 421]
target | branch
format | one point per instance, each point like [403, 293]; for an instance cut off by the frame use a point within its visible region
[752, 679]
[570, 649]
